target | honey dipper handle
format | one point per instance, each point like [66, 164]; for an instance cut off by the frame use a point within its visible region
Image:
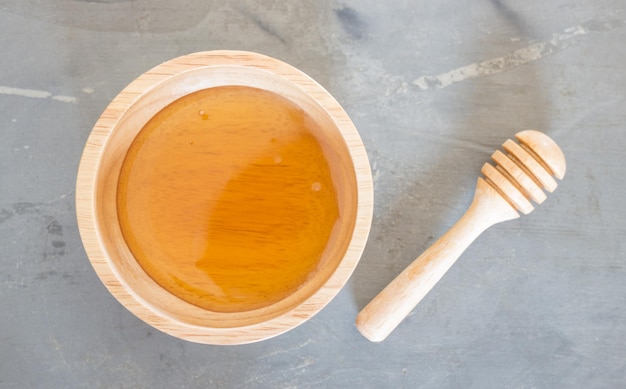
[383, 314]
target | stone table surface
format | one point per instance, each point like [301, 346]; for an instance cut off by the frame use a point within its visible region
[434, 88]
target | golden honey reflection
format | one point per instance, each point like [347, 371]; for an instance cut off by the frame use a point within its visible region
[226, 199]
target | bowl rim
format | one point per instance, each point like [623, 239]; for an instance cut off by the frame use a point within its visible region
[86, 197]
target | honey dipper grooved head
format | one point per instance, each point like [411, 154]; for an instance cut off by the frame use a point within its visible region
[545, 148]
[526, 169]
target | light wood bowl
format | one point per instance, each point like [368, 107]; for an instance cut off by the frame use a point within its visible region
[98, 177]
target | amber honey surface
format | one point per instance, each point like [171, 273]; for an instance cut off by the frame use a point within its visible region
[226, 200]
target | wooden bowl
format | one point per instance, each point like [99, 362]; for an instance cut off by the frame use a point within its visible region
[99, 172]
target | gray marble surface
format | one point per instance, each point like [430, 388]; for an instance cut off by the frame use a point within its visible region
[434, 88]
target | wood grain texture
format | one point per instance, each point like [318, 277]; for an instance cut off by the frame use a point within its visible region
[498, 197]
[98, 176]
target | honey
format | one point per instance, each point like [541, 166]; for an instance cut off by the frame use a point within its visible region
[226, 199]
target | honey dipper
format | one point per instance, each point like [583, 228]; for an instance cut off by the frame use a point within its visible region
[506, 190]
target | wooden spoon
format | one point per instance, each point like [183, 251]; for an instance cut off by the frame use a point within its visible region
[506, 189]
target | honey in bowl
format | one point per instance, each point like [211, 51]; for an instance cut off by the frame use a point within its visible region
[226, 199]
